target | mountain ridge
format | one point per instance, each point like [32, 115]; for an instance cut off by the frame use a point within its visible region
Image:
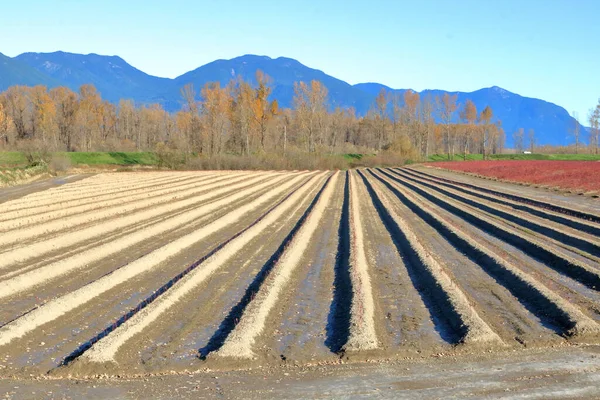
[116, 79]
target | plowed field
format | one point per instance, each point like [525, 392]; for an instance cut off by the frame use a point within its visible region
[151, 273]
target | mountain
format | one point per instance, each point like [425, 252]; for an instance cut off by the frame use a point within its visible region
[14, 72]
[284, 71]
[550, 122]
[115, 79]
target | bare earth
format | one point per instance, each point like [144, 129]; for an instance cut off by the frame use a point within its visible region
[396, 283]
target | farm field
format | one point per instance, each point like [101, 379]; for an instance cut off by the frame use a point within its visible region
[582, 175]
[163, 272]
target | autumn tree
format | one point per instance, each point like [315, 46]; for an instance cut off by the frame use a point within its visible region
[5, 122]
[485, 120]
[410, 117]
[67, 104]
[380, 119]
[194, 134]
[16, 107]
[263, 109]
[428, 121]
[241, 116]
[468, 115]
[310, 109]
[215, 106]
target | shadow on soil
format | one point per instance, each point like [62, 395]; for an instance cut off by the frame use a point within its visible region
[338, 321]
[234, 315]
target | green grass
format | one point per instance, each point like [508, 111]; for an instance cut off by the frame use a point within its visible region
[113, 158]
[457, 157]
[555, 157]
[11, 159]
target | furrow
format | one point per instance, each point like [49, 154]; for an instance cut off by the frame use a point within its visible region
[362, 335]
[563, 219]
[43, 274]
[76, 221]
[540, 250]
[97, 201]
[441, 288]
[523, 286]
[100, 230]
[79, 190]
[105, 348]
[526, 200]
[189, 189]
[520, 220]
[239, 343]
[61, 305]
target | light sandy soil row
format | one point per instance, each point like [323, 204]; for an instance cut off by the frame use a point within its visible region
[246, 283]
[557, 232]
[59, 306]
[40, 275]
[25, 206]
[583, 268]
[549, 215]
[585, 209]
[105, 349]
[100, 230]
[239, 343]
[475, 330]
[202, 313]
[87, 188]
[45, 212]
[19, 236]
[574, 321]
[362, 327]
[140, 200]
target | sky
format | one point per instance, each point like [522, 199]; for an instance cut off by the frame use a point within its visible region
[546, 49]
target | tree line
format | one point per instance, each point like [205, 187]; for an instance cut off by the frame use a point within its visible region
[241, 119]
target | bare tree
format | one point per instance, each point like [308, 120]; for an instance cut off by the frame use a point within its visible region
[447, 107]
[518, 138]
[576, 130]
[531, 139]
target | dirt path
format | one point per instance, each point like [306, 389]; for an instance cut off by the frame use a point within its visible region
[571, 373]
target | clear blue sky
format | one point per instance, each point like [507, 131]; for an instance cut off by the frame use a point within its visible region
[538, 48]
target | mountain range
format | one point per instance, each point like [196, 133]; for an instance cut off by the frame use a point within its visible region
[115, 79]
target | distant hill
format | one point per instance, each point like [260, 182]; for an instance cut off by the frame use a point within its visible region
[284, 71]
[15, 72]
[115, 79]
